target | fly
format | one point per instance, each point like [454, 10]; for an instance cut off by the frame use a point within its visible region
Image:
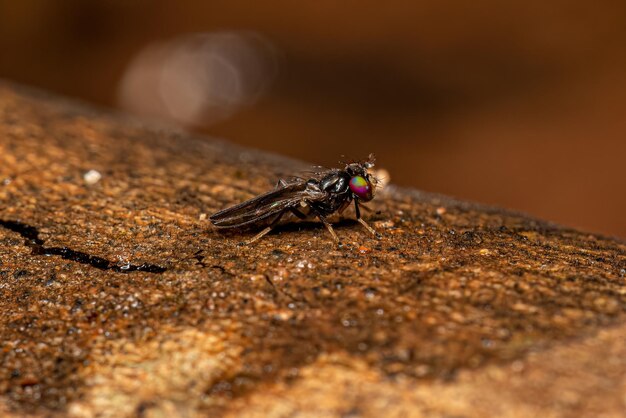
[320, 196]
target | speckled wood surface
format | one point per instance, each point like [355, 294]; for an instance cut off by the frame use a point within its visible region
[118, 298]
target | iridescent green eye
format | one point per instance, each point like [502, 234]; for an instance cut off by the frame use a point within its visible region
[362, 188]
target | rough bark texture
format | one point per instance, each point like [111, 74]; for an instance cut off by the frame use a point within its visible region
[117, 298]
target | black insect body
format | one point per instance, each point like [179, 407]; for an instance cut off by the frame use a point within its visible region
[320, 196]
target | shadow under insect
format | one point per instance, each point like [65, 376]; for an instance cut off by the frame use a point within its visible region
[291, 224]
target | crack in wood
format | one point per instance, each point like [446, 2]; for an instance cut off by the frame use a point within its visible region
[32, 240]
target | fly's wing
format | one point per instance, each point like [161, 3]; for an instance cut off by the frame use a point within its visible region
[318, 172]
[264, 206]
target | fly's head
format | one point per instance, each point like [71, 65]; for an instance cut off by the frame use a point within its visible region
[362, 183]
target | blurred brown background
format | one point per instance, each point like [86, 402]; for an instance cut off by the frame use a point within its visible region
[517, 104]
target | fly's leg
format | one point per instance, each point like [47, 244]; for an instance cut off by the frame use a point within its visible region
[265, 231]
[362, 222]
[299, 214]
[343, 207]
[362, 206]
[331, 230]
[369, 228]
[258, 236]
[328, 226]
[280, 183]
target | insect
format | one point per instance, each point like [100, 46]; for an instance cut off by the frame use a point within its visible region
[321, 195]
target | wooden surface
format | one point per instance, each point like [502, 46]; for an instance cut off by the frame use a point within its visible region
[117, 298]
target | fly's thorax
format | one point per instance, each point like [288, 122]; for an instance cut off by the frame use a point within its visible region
[336, 182]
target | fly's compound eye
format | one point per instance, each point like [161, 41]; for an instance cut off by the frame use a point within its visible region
[362, 188]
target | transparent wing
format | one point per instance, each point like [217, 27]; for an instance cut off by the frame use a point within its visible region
[265, 206]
